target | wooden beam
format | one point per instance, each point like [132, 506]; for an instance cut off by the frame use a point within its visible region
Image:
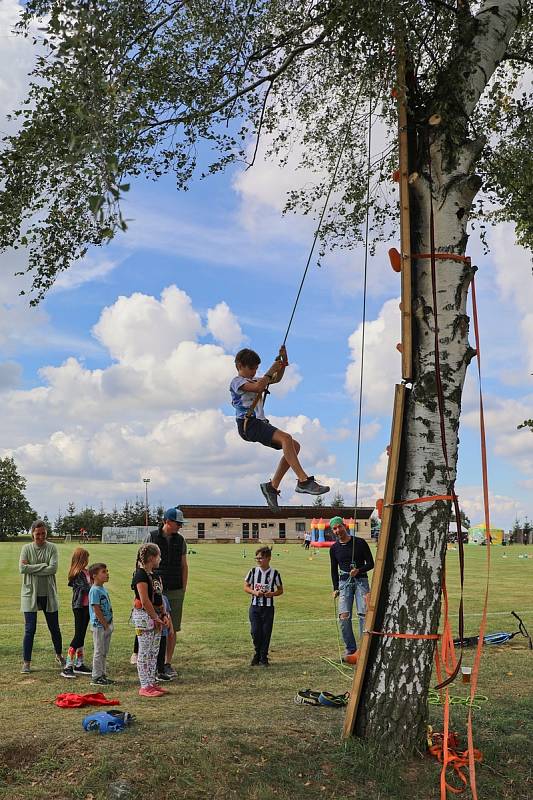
[381, 555]
[405, 219]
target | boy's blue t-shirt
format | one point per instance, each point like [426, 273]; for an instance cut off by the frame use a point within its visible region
[98, 596]
[241, 401]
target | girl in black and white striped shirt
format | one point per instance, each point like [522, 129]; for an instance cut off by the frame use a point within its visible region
[263, 583]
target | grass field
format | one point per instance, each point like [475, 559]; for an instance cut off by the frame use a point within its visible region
[228, 731]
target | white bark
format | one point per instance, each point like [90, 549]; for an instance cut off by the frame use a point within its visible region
[393, 709]
[498, 20]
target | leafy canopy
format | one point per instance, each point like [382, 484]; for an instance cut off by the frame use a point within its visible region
[129, 88]
[16, 514]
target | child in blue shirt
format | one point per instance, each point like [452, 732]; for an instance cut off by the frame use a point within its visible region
[246, 391]
[101, 617]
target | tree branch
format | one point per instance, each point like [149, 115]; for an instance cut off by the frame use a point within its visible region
[517, 57]
[259, 127]
[442, 4]
[269, 78]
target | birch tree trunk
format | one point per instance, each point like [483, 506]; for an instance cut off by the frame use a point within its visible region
[393, 708]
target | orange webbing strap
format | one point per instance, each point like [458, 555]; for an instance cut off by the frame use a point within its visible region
[442, 257]
[446, 657]
[475, 669]
[456, 759]
[449, 659]
[251, 410]
[414, 500]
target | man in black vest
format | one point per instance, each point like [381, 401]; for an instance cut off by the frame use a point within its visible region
[173, 569]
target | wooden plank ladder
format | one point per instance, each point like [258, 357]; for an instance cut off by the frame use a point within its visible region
[383, 544]
[405, 220]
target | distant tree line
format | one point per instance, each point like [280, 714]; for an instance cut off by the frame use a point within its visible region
[89, 521]
[522, 532]
[16, 514]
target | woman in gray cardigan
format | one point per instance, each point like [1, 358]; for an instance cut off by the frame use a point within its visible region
[38, 565]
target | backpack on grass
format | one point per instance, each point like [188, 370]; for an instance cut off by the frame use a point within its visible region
[108, 721]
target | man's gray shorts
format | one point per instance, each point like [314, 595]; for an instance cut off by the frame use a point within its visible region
[175, 598]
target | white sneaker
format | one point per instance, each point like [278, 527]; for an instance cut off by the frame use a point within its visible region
[133, 658]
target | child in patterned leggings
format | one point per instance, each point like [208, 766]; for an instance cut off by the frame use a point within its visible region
[147, 623]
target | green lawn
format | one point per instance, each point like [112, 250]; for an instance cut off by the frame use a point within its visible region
[229, 731]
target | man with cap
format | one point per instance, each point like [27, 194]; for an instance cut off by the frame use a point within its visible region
[351, 561]
[173, 570]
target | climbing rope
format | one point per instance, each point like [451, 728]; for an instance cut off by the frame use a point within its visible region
[312, 250]
[323, 214]
[363, 325]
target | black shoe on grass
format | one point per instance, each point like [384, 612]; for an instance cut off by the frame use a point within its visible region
[68, 672]
[82, 670]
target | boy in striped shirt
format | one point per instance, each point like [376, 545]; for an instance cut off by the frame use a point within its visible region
[263, 583]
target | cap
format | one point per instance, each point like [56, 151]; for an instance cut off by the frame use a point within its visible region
[336, 521]
[175, 515]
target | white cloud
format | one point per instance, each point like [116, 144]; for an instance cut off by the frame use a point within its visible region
[224, 327]
[84, 271]
[378, 471]
[17, 56]
[382, 362]
[514, 278]
[139, 330]
[500, 507]
[94, 433]
[502, 416]
[10, 373]
[196, 454]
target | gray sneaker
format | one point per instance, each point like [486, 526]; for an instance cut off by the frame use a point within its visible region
[170, 671]
[60, 659]
[25, 668]
[310, 486]
[271, 495]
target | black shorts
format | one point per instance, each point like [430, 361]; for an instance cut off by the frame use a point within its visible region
[258, 430]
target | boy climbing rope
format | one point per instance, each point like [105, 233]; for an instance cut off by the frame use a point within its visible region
[246, 397]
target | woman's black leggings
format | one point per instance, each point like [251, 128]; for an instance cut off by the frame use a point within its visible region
[81, 621]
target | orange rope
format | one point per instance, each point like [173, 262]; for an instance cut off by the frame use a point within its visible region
[442, 257]
[457, 759]
[484, 470]
[414, 500]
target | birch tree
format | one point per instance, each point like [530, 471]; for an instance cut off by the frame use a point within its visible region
[124, 89]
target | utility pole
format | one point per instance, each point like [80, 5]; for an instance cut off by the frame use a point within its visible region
[146, 481]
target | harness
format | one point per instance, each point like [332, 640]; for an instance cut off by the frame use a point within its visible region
[306, 697]
[251, 411]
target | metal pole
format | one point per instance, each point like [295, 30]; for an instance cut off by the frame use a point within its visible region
[146, 481]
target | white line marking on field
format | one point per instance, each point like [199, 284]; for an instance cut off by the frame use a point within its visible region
[304, 621]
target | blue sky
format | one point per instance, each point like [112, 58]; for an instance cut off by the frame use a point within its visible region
[122, 372]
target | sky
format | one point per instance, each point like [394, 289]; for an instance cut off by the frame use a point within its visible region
[122, 372]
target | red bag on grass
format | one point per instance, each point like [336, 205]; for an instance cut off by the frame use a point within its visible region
[70, 700]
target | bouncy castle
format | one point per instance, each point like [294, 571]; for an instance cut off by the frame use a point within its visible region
[321, 535]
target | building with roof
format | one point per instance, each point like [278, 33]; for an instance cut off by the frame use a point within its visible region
[222, 523]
